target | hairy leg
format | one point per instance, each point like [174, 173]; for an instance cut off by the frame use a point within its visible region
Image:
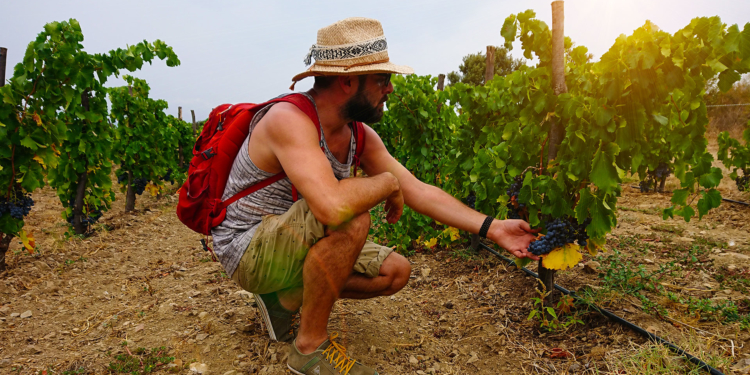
[327, 268]
[393, 276]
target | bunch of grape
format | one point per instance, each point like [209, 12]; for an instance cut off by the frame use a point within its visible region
[654, 177]
[140, 185]
[87, 221]
[662, 171]
[515, 207]
[561, 231]
[743, 182]
[169, 178]
[19, 205]
[122, 178]
[645, 186]
[471, 200]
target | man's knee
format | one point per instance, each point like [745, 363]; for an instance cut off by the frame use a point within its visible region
[399, 269]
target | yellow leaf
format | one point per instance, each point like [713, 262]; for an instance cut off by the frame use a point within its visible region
[562, 257]
[28, 241]
[431, 243]
[152, 189]
[57, 153]
[37, 119]
[454, 233]
[40, 161]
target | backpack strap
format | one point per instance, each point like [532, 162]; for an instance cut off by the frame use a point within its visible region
[306, 106]
[359, 135]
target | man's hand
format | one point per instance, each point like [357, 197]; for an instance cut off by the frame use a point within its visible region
[514, 236]
[394, 206]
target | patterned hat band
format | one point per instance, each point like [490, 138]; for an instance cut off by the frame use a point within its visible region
[346, 51]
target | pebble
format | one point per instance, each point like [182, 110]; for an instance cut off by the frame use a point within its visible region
[591, 267]
[413, 360]
[202, 315]
[26, 314]
[474, 358]
[199, 368]
[648, 261]
[15, 315]
[201, 336]
[139, 328]
[574, 367]
[426, 271]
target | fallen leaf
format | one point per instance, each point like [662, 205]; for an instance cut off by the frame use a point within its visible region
[559, 353]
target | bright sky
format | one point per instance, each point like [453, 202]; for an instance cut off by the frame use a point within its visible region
[247, 51]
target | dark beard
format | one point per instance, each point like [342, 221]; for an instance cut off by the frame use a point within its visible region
[358, 108]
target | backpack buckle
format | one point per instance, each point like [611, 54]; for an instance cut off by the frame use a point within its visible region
[208, 154]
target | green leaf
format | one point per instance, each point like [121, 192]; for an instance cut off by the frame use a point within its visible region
[521, 262]
[727, 79]
[29, 143]
[709, 200]
[603, 171]
[712, 179]
[686, 212]
[680, 196]
[603, 116]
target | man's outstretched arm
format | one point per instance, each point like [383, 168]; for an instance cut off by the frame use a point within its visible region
[513, 235]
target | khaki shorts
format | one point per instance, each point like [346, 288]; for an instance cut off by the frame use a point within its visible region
[275, 257]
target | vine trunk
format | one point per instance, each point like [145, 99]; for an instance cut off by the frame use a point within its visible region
[78, 207]
[5, 240]
[130, 195]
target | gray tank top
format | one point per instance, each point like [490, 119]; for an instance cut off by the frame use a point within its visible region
[232, 237]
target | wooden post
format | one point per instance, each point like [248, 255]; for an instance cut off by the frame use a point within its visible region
[556, 133]
[192, 111]
[179, 113]
[440, 87]
[5, 239]
[3, 60]
[489, 69]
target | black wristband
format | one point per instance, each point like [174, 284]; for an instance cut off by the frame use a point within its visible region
[485, 226]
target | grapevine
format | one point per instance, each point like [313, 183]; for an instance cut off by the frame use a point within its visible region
[147, 141]
[639, 110]
[41, 113]
[736, 157]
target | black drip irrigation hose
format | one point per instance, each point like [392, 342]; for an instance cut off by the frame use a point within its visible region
[724, 199]
[702, 365]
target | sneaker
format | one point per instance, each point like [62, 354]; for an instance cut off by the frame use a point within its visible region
[278, 320]
[329, 359]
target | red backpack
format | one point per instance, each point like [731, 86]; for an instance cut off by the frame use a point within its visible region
[200, 206]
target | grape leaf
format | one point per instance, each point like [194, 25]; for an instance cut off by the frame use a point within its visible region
[603, 171]
[562, 257]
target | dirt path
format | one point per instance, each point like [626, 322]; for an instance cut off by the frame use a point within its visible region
[147, 282]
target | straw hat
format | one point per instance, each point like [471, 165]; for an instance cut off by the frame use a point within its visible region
[352, 46]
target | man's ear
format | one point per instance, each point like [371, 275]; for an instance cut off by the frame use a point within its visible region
[348, 84]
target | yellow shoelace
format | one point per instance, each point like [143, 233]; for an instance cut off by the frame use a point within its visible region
[336, 354]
